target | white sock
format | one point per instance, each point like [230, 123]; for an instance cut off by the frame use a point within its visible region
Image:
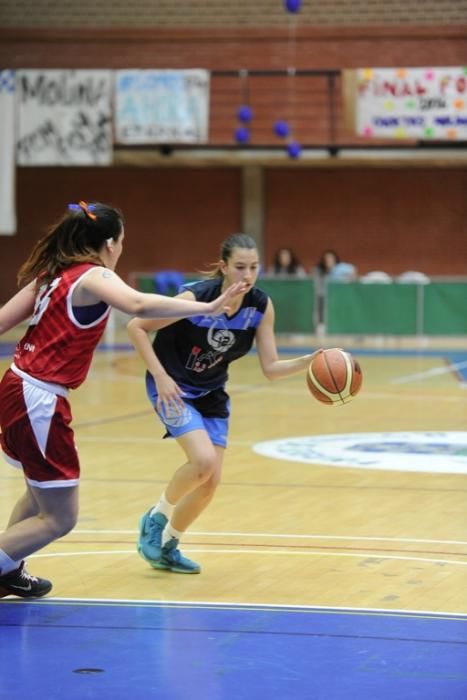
[164, 507]
[7, 564]
[169, 533]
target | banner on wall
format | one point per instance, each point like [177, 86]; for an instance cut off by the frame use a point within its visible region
[413, 103]
[162, 106]
[7, 152]
[65, 117]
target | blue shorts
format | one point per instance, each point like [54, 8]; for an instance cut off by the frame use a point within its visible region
[209, 412]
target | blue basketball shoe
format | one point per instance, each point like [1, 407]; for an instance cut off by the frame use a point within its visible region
[173, 560]
[150, 536]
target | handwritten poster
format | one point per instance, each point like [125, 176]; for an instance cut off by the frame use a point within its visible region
[162, 106]
[65, 117]
[7, 152]
[421, 103]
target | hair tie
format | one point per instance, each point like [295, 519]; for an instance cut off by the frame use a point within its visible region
[83, 206]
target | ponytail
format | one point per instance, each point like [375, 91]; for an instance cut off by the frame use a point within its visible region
[77, 237]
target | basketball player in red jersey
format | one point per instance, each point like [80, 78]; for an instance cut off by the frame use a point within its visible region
[68, 288]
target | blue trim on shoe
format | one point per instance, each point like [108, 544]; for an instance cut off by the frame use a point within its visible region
[173, 560]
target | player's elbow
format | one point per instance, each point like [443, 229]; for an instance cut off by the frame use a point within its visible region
[269, 373]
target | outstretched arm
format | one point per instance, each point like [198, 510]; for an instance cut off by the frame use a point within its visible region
[272, 366]
[18, 308]
[105, 285]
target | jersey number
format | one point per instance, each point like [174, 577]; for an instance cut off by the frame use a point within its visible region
[42, 300]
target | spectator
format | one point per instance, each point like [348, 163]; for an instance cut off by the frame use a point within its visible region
[328, 260]
[329, 268]
[285, 262]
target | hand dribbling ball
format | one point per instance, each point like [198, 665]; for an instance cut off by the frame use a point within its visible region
[334, 377]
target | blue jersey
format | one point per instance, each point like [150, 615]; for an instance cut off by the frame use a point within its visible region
[197, 351]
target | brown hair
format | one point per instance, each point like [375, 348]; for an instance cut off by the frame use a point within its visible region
[236, 240]
[76, 238]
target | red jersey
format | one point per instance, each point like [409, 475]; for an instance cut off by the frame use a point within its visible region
[58, 348]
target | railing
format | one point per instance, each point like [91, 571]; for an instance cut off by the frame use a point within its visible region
[352, 308]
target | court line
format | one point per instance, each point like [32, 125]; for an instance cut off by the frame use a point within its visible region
[433, 372]
[13, 477]
[239, 390]
[205, 533]
[211, 550]
[332, 610]
[128, 350]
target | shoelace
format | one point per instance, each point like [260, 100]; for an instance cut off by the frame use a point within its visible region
[27, 577]
[175, 555]
[154, 531]
[172, 552]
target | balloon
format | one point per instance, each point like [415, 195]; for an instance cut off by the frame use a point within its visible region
[281, 129]
[292, 5]
[294, 149]
[242, 134]
[245, 114]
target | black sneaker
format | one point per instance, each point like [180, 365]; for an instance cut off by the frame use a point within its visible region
[20, 582]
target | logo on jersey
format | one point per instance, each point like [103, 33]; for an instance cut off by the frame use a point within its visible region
[221, 339]
[434, 452]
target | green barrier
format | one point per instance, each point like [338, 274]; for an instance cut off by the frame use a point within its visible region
[146, 284]
[367, 309]
[445, 308]
[354, 308]
[293, 301]
[438, 308]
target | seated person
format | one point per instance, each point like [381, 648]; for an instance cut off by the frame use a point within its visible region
[329, 268]
[285, 262]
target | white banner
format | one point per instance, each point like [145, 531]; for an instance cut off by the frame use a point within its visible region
[65, 117]
[7, 152]
[162, 106]
[421, 103]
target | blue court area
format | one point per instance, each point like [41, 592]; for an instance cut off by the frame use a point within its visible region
[54, 649]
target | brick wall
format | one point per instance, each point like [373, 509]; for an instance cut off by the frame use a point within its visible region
[225, 13]
[393, 219]
[381, 217]
[301, 100]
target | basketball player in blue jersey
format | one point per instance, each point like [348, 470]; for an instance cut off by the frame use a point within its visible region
[187, 370]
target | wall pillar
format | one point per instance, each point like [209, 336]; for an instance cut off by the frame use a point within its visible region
[253, 204]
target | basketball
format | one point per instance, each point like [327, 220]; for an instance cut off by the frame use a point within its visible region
[334, 377]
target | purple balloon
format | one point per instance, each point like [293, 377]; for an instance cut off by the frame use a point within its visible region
[292, 5]
[245, 114]
[281, 129]
[294, 149]
[242, 134]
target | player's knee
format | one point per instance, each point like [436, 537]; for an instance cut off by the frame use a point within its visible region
[62, 525]
[209, 487]
[205, 467]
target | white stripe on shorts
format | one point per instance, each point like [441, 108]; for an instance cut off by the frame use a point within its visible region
[46, 386]
[40, 399]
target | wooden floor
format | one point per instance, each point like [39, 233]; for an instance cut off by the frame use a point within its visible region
[279, 531]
